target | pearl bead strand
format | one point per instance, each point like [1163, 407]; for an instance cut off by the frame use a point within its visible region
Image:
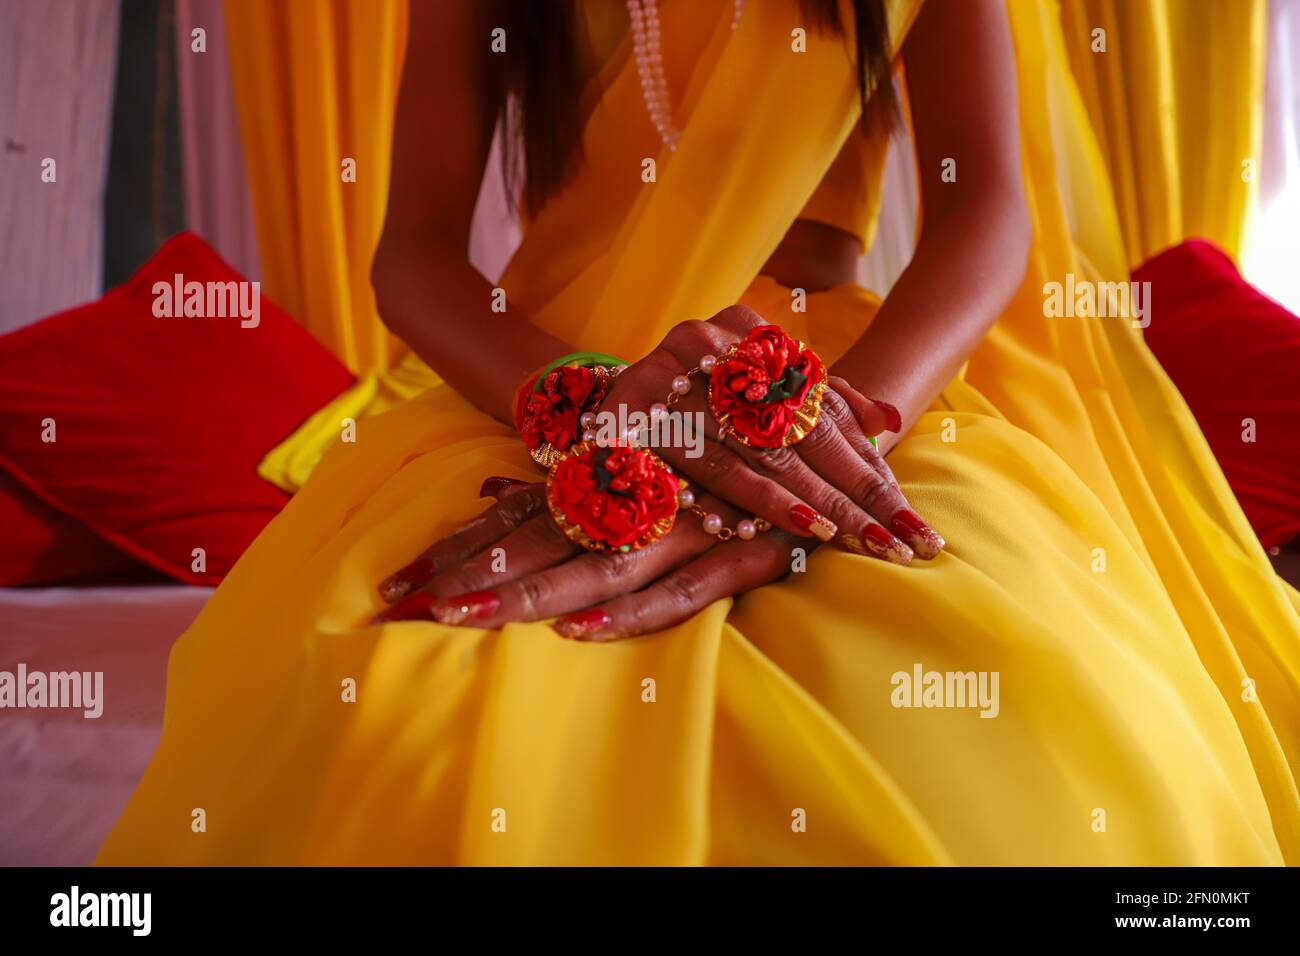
[646, 40]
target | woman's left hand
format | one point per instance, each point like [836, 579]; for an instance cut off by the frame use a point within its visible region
[461, 580]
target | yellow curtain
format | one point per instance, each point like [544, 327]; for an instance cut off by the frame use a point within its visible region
[315, 86]
[1176, 99]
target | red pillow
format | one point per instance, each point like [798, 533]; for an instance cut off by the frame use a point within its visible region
[42, 546]
[159, 423]
[1234, 353]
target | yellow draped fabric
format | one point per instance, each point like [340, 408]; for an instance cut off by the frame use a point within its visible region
[316, 87]
[1148, 657]
[1176, 99]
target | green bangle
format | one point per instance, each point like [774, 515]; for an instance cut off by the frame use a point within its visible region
[577, 360]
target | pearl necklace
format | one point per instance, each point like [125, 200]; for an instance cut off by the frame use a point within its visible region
[644, 15]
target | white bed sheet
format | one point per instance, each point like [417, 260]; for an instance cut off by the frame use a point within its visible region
[64, 778]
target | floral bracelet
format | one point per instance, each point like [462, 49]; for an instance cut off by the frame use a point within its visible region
[550, 404]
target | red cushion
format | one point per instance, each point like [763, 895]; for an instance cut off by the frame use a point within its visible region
[1234, 354]
[160, 422]
[43, 546]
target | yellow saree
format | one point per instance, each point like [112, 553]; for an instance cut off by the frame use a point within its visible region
[1148, 659]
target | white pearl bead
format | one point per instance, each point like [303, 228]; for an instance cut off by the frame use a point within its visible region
[681, 384]
[746, 529]
[712, 523]
[686, 497]
[587, 419]
[707, 362]
[658, 410]
[588, 436]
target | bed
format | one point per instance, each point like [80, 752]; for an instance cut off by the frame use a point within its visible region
[65, 777]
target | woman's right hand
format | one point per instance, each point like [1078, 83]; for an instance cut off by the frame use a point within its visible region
[597, 596]
[832, 485]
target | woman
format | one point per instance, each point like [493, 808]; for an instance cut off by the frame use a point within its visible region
[1136, 659]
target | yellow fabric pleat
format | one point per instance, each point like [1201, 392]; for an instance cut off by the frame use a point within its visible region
[316, 87]
[1148, 657]
[1176, 99]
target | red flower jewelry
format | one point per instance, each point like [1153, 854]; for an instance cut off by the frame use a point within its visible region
[765, 391]
[612, 499]
[624, 498]
[554, 406]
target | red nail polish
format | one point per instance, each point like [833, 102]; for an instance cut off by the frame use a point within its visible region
[925, 541]
[893, 420]
[492, 487]
[414, 608]
[805, 519]
[885, 545]
[465, 608]
[396, 586]
[583, 625]
[802, 516]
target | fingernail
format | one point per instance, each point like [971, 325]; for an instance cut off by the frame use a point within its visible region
[893, 420]
[582, 626]
[397, 586]
[465, 608]
[925, 541]
[414, 608]
[805, 519]
[492, 487]
[853, 543]
[882, 544]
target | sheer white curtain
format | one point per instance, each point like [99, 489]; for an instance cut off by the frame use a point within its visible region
[58, 60]
[217, 204]
[1272, 249]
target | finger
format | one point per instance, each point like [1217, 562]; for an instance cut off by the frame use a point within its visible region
[852, 427]
[726, 570]
[516, 502]
[596, 576]
[873, 416]
[576, 583]
[858, 531]
[464, 593]
[536, 545]
[691, 340]
[688, 342]
[828, 454]
[857, 469]
[738, 320]
[903, 520]
[729, 476]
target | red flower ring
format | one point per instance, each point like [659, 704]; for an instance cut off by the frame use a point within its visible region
[612, 499]
[766, 390]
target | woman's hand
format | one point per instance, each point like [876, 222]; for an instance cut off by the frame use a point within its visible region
[460, 579]
[833, 485]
